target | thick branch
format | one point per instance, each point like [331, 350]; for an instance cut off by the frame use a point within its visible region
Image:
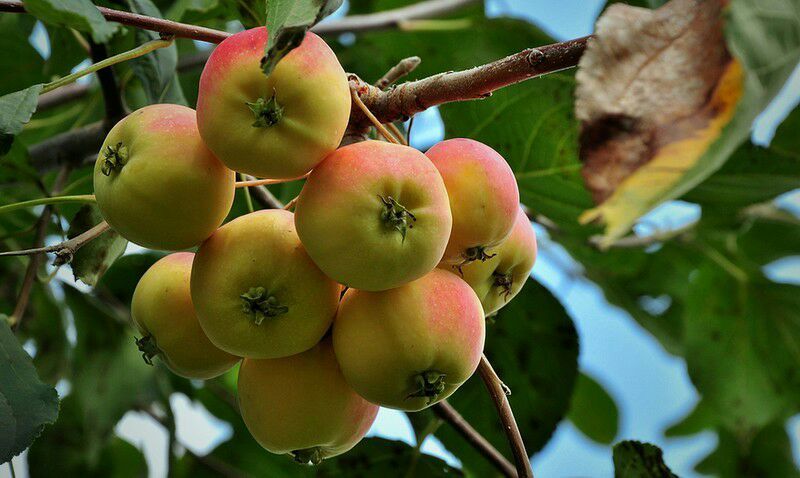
[413, 97]
[498, 394]
[446, 412]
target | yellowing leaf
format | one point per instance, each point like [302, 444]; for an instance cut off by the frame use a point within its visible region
[649, 184]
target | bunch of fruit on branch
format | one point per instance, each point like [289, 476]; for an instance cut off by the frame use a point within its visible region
[374, 292]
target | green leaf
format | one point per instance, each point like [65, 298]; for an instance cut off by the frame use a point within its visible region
[753, 174]
[19, 55]
[287, 22]
[532, 124]
[26, 404]
[767, 454]
[78, 14]
[156, 70]
[634, 459]
[593, 411]
[531, 331]
[65, 52]
[121, 279]
[741, 347]
[16, 109]
[92, 260]
[62, 450]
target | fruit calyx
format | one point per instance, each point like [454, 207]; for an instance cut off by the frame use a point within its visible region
[430, 384]
[258, 303]
[307, 456]
[114, 158]
[503, 282]
[147, 346]
[267, 112]
[396, 216]
[477, 253]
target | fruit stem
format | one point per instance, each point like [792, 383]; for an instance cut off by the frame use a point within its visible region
[142, 49]
[114, 158]
[396, 216]
[267, 112]
[260, 304]
[430, 384]
[148, 348]
[311, 455]
[88, 198]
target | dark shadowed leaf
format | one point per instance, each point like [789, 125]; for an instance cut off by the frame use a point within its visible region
[26, 404]
[381, 457]
[16, 109]
[62, 450]
[593, 411]
[92, 260]
[156, 70]
[634, 459]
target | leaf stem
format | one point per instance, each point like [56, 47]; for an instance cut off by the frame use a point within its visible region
[266, 182]
[140, 50]
[80, 198]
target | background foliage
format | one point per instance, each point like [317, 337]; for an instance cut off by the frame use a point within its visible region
[738, 330]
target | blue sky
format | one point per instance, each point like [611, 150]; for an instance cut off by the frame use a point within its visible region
[650, 387]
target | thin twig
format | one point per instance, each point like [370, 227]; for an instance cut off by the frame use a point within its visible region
[644, 241]
[263, 195]
[446, 412]
[397, 133]
[377, 124]
[67, 249]
[498, 394]
[265, 182]
[290, 205]
[403, 68]
[15, 321]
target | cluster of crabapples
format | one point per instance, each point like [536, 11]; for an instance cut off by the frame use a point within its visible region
[372, 293]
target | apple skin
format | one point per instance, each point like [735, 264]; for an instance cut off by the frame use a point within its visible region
[387, 341]
[171, 192]
[484, 196]
[261, 250]
[163, 312]
[309, 85]
[339, 215]
[302, 405]
[499, 279]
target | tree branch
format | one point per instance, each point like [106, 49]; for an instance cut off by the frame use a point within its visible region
[112, 99]
[67, 249]
[446, 412]
[498, 394]
[391, 18]
[15, 321]
[403, 68]
[354, 23]
[413, 97]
